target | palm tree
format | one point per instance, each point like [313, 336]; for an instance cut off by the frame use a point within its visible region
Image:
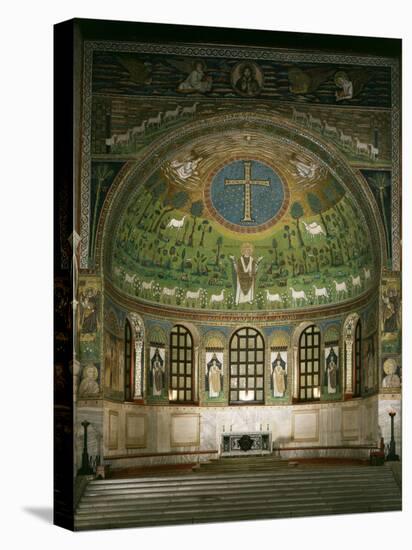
[200, 260]
[380, 182]
[103, 172]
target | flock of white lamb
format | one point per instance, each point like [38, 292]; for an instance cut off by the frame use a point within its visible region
[299, 297]
[153, 122]
[347, 141]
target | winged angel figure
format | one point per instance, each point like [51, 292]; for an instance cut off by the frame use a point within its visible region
[306, 81]
[184, 169]
[140, 72]
[197, 79]
[349, 82]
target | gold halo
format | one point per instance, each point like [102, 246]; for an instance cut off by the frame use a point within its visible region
[93, 369]
[247, 246]
[341, 74]
[390, 366]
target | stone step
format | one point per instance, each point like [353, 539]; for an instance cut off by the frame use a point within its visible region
[292, 473]
[237, 500]
[236, 495]
[228, 482]
[230, 515]
[281, 468]
[251, 468]
[229, 503]
[284, 489]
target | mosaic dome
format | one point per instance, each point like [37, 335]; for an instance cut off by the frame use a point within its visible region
[242, 218]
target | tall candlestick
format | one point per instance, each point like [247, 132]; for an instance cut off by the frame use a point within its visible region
[392, 446]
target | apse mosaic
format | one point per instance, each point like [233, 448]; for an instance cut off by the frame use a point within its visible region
[235, 234]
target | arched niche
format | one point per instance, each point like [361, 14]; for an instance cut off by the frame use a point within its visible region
[280, 353]
[279, 339]
[213, 351]
[157, 345]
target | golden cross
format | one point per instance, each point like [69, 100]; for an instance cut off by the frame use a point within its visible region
[247, 182]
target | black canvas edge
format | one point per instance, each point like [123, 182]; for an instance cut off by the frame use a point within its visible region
[63, 186]
[99, 29]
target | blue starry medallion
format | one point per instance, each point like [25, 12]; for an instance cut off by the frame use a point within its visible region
[247, 194]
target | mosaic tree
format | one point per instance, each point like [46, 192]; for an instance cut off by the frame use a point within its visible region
[196, 211]
[170, 203]
[317, 208]
[296, 211]
[288, 234]
[205, 225]
[334, 193]
[155, 192]
[219, 242]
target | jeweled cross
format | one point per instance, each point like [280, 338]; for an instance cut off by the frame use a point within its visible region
[247, 182]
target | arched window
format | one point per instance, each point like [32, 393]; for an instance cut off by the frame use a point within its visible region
[128, 362]
[309, 364]
[357, 360]
[181, 365]
[247, 360]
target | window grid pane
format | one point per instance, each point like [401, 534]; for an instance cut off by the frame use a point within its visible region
[358, 359]
[181, 347]
[309, 364]
[127, 361]
[247, 359]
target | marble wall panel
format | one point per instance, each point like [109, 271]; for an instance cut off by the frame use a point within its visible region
[113, 439]
[136, 431]
[189, 429]
[351, 423]
[185, 430]
[305, 425]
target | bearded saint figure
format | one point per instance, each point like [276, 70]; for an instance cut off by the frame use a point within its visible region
[279, 376]
[245, 269]
[157, 373]
[214, 376]
[331, 371]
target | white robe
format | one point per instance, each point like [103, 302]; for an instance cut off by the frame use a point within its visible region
[242, 298]
[278, 377]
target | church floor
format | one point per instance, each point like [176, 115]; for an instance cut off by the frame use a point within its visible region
[238, 489]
